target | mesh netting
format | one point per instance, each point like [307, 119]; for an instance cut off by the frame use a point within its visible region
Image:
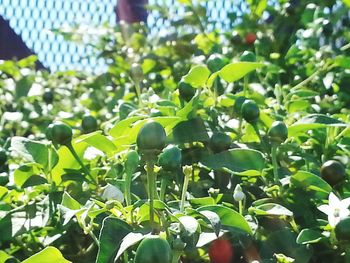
[33, 19]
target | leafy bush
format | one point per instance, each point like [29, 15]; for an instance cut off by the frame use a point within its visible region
[192, 142]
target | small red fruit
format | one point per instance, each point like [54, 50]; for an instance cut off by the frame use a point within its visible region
[250, 38]
[220, 251]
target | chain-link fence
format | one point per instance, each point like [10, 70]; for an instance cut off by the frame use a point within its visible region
[33, 19]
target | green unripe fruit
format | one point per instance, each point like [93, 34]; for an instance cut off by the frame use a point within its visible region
[333, 172]
[186, 91]
[278, 132]
[61, 133]
[48, 132]
[250, 111]
[237, 107]
[89, 124]
[170, 159]
[151, 136]
[216, 62]
[219, 142]
[248, 56]
[342, 230]
[153, 249]
[48, 96]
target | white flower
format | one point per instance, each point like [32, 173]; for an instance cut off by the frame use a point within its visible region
[336, 209]
[238, 194]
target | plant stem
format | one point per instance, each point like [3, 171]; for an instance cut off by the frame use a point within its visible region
[127, 189]
[245, 86]
[151, 183]
[240, 127]
[240, 207]
[176, 256]
[274, 163]
[163, 186]
[138, 92]
[184, 190]
[257, 131]
[74, 153]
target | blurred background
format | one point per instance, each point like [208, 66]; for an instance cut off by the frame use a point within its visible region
[36, 21]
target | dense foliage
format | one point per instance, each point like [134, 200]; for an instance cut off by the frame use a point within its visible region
[195, 145]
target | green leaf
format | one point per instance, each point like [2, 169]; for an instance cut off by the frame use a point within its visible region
[312, 121]
[3, 191]
[148, 65]
[4, 256]
[70, 202]
[112, 234]
[236, 160]
[23, 86]
[47, 255]
[318, 118]
[270, 209]
[228, 217]
[189, 224]
[99, 141]
[283, 241]
[192, 130]
[343, 61]
[123, 126]
[309, 236]
[24, 172]
[197, 76]
[33, 151]
[311, 182]
[214, 220]
[347, 3]
[238, 70]
[257, 7]
[212, 79]
[202, 201]
[129, 240]
[130, 129]
[67, 160]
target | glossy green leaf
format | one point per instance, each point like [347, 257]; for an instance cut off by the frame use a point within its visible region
[309, 236]
[123, 126]
[214, 220]
[190, 225]
[236, 160]
[99, 141]
[24, 172]
[23, 86]
[310, 181]
[111, 236]
[270, 209]
[228, 217]
[4, 256]
[238, 70]
[313, 121]
[192, 130]
[67, 160]
[34, 151]
[128, 241]
[197, 76]
[257, 7]
[47, 255]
